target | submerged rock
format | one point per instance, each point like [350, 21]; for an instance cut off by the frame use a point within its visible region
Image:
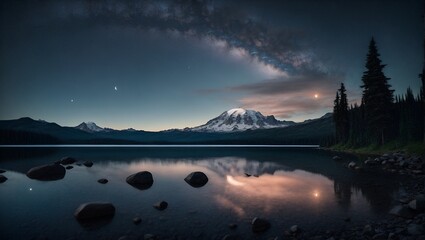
[150, 237]
[196, 179]
[294, 229]
[337, 158]
[47, 172]
[161, 205]
[418, 204]
[67, 160]
[259, 225]
[233, 225]
[88, 163]
[141, 180]
[102, 180]
[3, 179]
[402, 211]
[137, 220]
[94, 210]
[352, 165]
[415, 229]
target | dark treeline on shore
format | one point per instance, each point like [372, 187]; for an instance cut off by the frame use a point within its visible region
[381, 117]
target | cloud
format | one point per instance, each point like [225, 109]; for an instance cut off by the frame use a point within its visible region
[289, 96]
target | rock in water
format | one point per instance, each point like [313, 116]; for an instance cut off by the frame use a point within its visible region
[402, 211]
[137, 220]
[88, 163]
[294, 229]
[161, 205]
[141, 180]
[2, 179]
[337, 158]
[102, 180]
[69, 167]
[67, 160]
[415, 229]
[418, 204]
[94, 210]
[47, 172]
[2, 171]
[196, 179]
[352, 165]
[260, 225]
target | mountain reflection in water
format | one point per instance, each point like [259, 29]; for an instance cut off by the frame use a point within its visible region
[286, 186]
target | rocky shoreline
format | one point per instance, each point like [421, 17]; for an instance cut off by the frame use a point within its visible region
[406, 220]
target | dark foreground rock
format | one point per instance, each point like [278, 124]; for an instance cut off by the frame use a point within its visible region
[2, 171]
[141, 180]
[137, 220]
[47, 172]
[259, 225]
[196, 179]
[102, 181]
[67, 160]
[3, 179]
[161, 205]
[94, 210]
[88, 163]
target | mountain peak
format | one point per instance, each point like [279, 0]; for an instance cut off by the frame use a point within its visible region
[240, 119]
[89, 127]
[238, 111]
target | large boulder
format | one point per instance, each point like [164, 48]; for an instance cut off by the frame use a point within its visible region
[259, 225]
[2, 179]
[94, 210]
[47, 172]
[67, 160]
[196, 179]
[141, 180]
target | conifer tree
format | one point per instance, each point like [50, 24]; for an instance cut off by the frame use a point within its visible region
[377, 97]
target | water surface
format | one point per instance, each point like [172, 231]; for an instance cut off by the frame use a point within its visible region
[294, 186]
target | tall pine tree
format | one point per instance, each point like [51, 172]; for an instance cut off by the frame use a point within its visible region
[341, 115]
[377, 97]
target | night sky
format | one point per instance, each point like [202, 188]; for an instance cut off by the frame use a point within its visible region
[156, 65]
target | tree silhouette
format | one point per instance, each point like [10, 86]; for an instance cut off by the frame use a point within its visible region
[377, 97]
[340, 115]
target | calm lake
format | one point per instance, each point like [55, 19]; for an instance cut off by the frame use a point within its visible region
[301, 186]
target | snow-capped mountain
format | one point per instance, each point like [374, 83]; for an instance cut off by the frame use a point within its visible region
[239, 119]
[90, 127]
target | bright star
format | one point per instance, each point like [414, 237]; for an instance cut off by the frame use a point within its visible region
[116, 89]
[30, 189]
[316, 95]
[72, 100]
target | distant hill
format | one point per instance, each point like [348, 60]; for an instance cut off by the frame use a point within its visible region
[29, 131]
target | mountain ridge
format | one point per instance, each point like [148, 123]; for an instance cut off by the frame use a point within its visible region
[240, 119]
[30, 131]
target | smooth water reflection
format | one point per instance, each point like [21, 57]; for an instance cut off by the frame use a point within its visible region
[286, 186]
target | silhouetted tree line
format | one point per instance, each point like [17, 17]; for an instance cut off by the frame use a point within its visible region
[380, 117]
[23, 137]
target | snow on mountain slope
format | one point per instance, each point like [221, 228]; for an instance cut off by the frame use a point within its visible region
[89, 127]
[239, 119]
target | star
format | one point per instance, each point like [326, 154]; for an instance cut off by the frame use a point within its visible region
[72, 100]
[115, 88]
